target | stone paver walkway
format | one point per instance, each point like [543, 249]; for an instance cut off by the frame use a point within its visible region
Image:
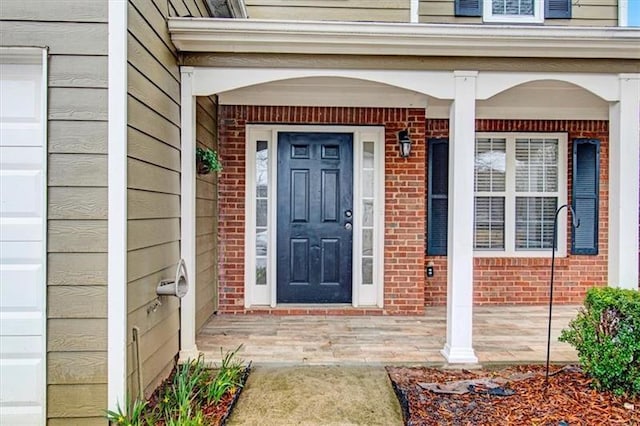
[509, 334]
[317, 395]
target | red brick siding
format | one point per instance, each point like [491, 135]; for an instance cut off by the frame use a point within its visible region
[526, 280]
[404, 207]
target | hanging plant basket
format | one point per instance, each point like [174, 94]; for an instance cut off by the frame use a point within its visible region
[207, 161]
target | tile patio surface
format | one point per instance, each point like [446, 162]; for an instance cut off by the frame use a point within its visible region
[508, 334]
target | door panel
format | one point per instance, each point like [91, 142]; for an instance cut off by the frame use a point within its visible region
[22, 242]
[315, 190]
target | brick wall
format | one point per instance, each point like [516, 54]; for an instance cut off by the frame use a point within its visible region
[526, 280]
[404, 205]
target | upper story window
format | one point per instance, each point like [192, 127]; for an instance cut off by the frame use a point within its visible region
[513, 11]
[523, 11]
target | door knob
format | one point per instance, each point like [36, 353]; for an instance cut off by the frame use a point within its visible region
[348, 226]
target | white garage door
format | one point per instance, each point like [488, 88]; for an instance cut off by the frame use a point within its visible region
[22, 237]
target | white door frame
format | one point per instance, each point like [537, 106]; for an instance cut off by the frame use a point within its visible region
[266, 295]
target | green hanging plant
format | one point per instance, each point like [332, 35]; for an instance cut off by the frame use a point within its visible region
[207, 161]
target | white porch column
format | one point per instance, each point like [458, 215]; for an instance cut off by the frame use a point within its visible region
[188, 349]
[624, 171]
[458, 347]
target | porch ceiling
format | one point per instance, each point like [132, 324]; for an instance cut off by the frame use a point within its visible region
[325, 91]
[536, 100]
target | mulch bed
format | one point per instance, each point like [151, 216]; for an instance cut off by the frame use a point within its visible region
[568, 400]
[215, 414]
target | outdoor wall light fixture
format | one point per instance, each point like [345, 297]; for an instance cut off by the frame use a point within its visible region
[404, 143]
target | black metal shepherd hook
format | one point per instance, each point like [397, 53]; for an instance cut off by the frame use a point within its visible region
[575, 223]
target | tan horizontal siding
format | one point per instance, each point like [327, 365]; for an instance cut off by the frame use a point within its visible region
[153, 96]
[140, 291]
[153, 169]
[157, 345]
[82, 137]
[78, 71]
[76, 400]
[206, 216]
[329, 14]
[77, 301]
[152, 232]
[73, 334]
[77, 269]
[144, 119]
[77, 170]
[146, 148]
[155, 367]
[331, 10]
[77, 367]
[206, 190]
[76, 203]
[61, 38]
[78, 104]
[64, 10]
[70, 236]
[150, 177]
[178, 8]
[78, 421]
[140, 58]
[583, 12]
[205, 242]
[152, 205]
[148, 260]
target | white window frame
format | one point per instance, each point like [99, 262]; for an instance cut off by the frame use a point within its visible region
[624, 12]
[266, 295]
[511, 194]
[537, 18]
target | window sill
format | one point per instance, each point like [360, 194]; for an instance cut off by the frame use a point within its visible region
[560, 254]
[513, 19]
[530, 262]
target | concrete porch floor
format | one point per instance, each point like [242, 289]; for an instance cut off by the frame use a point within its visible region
[509, 334]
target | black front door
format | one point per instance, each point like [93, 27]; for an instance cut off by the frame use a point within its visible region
[315, 202]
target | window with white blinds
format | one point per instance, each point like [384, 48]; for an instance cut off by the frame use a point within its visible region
[514, 10]
[520, 180]
[490, 193]
[512, 7]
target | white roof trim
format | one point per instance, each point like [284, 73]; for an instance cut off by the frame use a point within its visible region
[361, 38]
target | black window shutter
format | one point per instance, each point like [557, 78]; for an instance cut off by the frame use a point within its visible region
[557, 9]
[437, 200]
[468, 7]
[586, 172]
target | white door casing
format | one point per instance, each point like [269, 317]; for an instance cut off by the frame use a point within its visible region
[22, 236]
[363, 294]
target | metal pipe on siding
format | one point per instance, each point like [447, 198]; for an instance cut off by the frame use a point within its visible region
[136, 347]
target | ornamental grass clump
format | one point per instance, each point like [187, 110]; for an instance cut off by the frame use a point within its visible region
[606, 334]
[227, 379]
[190, 397]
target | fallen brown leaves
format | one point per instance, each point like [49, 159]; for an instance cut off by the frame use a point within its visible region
[567, 400]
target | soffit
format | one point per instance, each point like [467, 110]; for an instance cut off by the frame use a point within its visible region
[206, 35]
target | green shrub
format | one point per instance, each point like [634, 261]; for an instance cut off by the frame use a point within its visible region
[606, 334]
